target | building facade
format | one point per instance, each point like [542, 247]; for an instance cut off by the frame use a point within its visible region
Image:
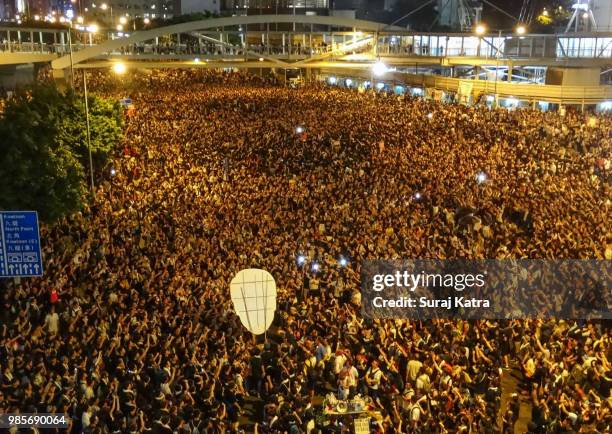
[602, 10]
[195, 6]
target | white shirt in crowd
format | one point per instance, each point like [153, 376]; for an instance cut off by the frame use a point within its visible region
[52, 322]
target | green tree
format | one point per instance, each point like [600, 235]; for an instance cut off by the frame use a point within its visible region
[43, 149]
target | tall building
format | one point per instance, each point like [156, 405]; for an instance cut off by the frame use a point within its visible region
[194, 6]
[365, 9]
[7, 9]
[273, 6]
[459, 14]
[110, 11]
[602, 10]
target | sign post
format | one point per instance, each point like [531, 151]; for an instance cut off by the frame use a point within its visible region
[20, 254]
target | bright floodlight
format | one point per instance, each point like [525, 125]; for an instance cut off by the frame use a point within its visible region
[521, 30]
[119, 28]
[122, 20]
[196, 60]
[430, 115]
[417, 195]
[119, 68]
[348, 81]
[343, 261]
[299, 130]
[301, 259]
[92, 28]
[332, 80]
[113, 172]
[481, 177]
[379, 68]
[315, 267]
[146, 21]
[261, 59]
[480, 29]
[104, 6]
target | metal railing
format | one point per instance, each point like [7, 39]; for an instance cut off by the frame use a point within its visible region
[305, 43]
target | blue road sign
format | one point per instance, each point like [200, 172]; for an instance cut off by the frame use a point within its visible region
[20, 254]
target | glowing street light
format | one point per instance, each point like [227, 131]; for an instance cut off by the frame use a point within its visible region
[430, 115]
[119, 28]
[301, 259]
[481, 177]
[92, 28]
[122, 20]
[119, 68]
[379, 68]
[80, 20]
[417, 196]
[315, 267]
[146, 21]
[113, 172]
[343, 261]
[480, 29]
[103, 6]
[299, 130]
[521, 29]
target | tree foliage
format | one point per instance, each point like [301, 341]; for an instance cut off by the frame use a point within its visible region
[43, 149]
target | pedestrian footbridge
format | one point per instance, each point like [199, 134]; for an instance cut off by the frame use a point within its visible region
[311, 44]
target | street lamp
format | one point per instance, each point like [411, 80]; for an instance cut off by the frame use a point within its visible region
[119, 68]
[520, 30]
[104, 7]
[122, 20]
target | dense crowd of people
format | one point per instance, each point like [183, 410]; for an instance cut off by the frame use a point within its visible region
[131, 329]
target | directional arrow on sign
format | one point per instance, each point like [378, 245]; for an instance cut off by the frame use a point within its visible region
[36, 268]
[10, 267]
